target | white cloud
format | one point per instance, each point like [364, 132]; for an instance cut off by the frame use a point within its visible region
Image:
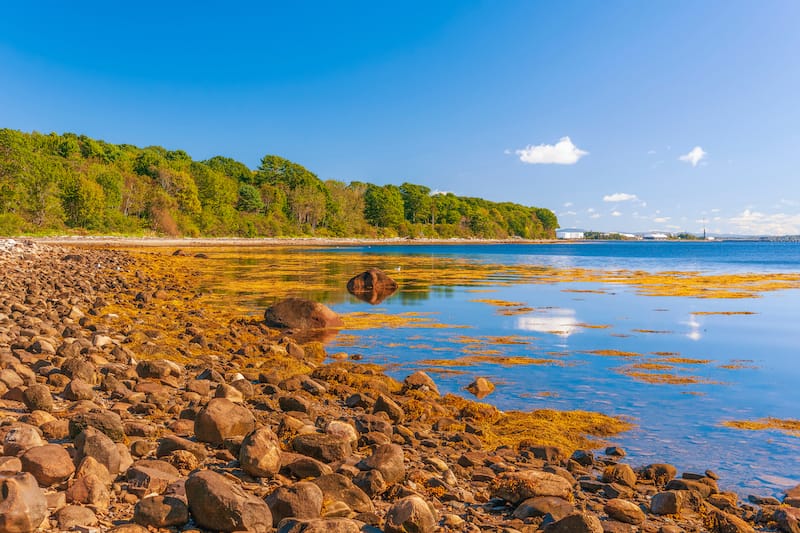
[507, 151]
[436, 192]
[756, 223]
[619, 197]
[594, 215]
[561, 153]
[661, 220]
[696, 155]
[616, 214]
[568, 204]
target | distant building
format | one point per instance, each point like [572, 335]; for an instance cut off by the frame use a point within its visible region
[569, 234]
[656, 237]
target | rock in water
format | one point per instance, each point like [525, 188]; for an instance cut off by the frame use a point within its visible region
[22, 504]
[481, 387]
[298, 313]
[220, 505]
[372, 286]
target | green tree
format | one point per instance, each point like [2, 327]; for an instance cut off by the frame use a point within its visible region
[383, 206]
[416, 202]
[249, 199]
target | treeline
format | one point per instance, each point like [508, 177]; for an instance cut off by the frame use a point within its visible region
[72, 183]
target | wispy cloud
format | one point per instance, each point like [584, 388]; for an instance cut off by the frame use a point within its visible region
[619, 197]
[568, 204]
[616, 214]
[661, 220]
[694, 156]
[651, 152]
[561, 153]
[594, 215]
[756, 223]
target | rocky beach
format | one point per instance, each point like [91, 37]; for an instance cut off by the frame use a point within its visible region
[129, 405]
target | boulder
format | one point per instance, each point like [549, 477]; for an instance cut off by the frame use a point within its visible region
[388, 459]
[301, 500]
[557, 508]
[23, 506]
[222, 419]
[322, 447]
[721, 522]
[619, 473]
[338, 488]
[49, 464]
[90, 490]
[298, 313]
[74, 516]
[372, 286]
[667, 502]
[411, 513]
[161, 511]
[576, 523]
[320, 525]
[21, 438]
[260, 453]
[480, 388]
[516, 487]
[92, 442]
[624, 511]
[38, 398]
[218, 504]
[419, 380]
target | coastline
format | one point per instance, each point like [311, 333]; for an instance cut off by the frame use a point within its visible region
[141, 322]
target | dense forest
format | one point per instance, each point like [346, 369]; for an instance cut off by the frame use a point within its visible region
[74, 184]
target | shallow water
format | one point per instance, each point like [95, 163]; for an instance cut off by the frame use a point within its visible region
[728, 366]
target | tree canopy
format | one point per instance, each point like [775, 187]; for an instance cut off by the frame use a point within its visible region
[72, 183]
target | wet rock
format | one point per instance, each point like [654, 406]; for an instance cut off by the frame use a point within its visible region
[480, 387]
[516, 487]
[322, 447]
[222, 419]
[372, 286]
[338, 488]
[301, 500]
[49, 464]
[690, 484]
[23, 506]
[161, 511]
[218, 504]
[388, 459]
[298, 313]
[557, 508]
[260, 453]
[411, 513]
[583, 457]
[576, 523]
[624, 511]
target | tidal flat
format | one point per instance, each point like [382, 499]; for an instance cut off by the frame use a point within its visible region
[594, 370]
[678, 353]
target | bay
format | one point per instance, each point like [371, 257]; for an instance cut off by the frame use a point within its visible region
[547, 325]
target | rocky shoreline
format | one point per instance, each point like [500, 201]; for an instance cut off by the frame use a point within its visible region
[126, 406]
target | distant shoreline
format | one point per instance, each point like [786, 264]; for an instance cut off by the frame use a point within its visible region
[272, 241]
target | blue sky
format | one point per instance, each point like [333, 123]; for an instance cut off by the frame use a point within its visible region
[623, 115]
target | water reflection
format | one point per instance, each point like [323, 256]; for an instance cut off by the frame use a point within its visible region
[561, 322]
[694, 328]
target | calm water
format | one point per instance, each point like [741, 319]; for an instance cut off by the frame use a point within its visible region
[680, 424]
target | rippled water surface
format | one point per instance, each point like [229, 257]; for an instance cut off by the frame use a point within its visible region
[593, 345]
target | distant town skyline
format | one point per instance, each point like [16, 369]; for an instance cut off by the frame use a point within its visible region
[619, 116]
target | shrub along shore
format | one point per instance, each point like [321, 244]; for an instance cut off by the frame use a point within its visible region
[127, 403]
